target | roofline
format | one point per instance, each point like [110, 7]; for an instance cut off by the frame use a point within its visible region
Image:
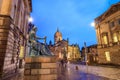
[97, 18]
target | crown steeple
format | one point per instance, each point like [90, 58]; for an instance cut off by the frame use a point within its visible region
[57, 36]
[57, 29]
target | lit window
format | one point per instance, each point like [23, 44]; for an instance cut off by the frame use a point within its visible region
[21, 55]
[107, 55]
[119, 36]
[115, 39]
[105, 39]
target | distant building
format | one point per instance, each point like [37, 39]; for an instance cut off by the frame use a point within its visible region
[14, 16]
[74, 52]
[57, 36]
[92, 54]
[108, 35]
[62, 49]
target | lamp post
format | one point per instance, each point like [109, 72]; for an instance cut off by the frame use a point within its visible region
[86, 60]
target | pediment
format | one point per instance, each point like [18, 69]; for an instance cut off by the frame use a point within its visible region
[114, 8]
[111, 10]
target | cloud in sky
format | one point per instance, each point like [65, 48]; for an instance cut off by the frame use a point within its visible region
[73, 17]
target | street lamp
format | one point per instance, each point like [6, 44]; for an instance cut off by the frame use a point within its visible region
[92, 24]
[30, 19]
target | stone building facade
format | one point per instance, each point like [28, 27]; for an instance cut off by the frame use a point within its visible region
[74, 52]
[61, 48]
[57, 36]
[14, 16]
[108, 35]
[91, 53]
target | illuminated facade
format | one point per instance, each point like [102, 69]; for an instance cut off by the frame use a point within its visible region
[74, 52]
[108, 35]
[62, 49]
[57, 36]
[14, 16]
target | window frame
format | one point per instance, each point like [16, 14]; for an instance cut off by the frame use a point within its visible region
[112, 24]
[118, 21]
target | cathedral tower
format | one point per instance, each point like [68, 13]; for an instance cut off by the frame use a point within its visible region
[57, 36]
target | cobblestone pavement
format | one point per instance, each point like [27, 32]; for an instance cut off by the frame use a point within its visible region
[108, 72]
[72, 73]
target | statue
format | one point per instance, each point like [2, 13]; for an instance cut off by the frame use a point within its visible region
[35, 47]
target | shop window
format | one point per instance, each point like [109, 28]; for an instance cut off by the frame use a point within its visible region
[115, 39]
[107, 55]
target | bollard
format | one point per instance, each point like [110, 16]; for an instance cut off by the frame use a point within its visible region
[76, 67]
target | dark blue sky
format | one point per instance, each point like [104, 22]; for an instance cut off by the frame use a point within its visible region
[72, 17]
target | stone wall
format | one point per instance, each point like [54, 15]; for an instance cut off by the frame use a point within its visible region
[9, 46]
[114, 55]
[13, 31]
[40, 68]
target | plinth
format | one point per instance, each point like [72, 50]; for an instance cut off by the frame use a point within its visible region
[40, 68]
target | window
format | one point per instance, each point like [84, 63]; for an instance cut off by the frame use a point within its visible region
[119, 35]
[105, 39]
[14, 17]
[18, 12]
[107, 55]
[0, 5]
[112, 24]
[21, 55]
[115, 39]
[118, 21]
